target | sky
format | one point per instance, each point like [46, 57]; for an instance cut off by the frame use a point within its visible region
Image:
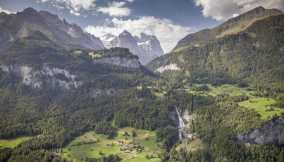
[169, 20]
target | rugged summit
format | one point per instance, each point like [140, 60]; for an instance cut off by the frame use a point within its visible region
[150, 45]
[24, 24]
[146, 47]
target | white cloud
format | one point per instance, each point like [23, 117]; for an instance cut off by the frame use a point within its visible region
[116, 9]
[75, 6]
[166, 31]
[5, 10]
[130, 1]
[224, 9]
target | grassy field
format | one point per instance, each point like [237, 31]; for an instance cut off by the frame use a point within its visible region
[12, 143]
[230, 90]
[263, 105]
[130, 149]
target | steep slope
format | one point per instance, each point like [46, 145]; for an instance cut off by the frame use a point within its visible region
[254, 54]
[146, 47]
[23, 24]
[39, 63]
[230, 27]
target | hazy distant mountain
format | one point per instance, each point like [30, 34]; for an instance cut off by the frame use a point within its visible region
[146, 47]
[150, 45]
[25, 23]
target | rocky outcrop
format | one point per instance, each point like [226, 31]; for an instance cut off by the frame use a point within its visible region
[271, 132]
[184, 122]
[116, 56]
[170, 67]
[119, 61]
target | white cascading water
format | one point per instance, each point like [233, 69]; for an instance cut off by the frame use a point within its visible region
[181, 125]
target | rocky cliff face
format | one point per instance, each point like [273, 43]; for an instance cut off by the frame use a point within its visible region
[25, 23]
[271, 132]
[45, 77]
[118, 61]
[120, 57]
[146, 47]
[151, 46]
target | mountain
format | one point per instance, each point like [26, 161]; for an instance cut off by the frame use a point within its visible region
[146, 47]
[247, 48]
[150, 45]
[42, 52]
[24, 24]
[40, 64]
[39, 55]
[230, 27]
[61, 87]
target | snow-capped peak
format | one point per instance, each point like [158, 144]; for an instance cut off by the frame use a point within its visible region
[146, 47]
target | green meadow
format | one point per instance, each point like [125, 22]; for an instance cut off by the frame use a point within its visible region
[264, 106]
[12, 143]
[140, 148]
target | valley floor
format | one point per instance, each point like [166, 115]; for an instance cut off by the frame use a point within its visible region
[140, 148]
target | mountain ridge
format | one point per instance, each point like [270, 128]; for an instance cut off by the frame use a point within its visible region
[21, 24]
[232, 26]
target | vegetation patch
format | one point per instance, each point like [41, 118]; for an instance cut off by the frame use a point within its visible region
[230, 90]
[12, 143]
[191, 145]
[131, 145]
[264, 106]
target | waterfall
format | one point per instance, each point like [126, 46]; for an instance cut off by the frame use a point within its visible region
[181, 124]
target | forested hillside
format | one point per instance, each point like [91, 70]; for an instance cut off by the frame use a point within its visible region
[252, 54]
